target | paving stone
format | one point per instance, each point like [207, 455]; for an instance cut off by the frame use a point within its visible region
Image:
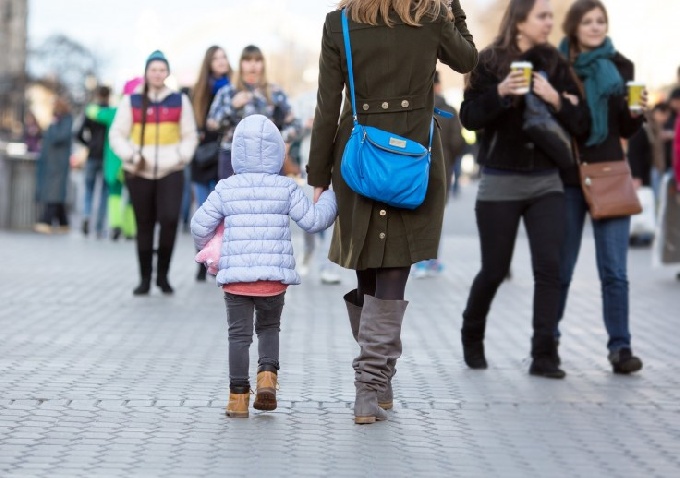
[94, 382]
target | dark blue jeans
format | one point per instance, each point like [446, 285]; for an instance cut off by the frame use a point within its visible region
[611, 251]
[93, 170]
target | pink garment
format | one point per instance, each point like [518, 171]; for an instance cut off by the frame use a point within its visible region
[131, 85]
[210, 254]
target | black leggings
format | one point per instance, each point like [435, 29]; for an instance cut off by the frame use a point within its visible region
[498, 222]
[156, 200]
[386, 284]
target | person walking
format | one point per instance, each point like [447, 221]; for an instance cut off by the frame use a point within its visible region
[93, 135]
[154, 134]
[604, 72]
[251, 94]
[53, 169]
[378, 241]
[215, 73]
[256, 262]
[519, 180]
[119, 210]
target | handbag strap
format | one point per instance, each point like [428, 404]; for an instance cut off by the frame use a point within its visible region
[348, 54]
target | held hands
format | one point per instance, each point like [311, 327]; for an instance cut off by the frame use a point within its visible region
[317, 193]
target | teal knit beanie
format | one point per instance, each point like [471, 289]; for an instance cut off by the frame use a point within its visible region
[156, 56]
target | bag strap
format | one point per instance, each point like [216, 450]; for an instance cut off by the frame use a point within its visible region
[348, 54]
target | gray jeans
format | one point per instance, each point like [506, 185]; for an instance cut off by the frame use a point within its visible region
[240, 310]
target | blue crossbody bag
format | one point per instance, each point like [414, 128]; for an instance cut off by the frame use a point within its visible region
[380, 165]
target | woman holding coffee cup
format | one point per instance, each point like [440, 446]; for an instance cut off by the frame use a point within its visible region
[519, 181]
[604, 73]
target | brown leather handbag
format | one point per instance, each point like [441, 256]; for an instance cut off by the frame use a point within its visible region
[608, 189]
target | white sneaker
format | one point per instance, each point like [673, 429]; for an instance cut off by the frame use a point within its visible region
[303, 268]
[329, 277]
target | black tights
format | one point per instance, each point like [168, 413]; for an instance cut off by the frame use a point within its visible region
[385, 284]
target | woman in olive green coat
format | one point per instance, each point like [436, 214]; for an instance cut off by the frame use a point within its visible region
[395, 48]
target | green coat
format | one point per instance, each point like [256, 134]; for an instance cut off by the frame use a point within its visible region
[112, 163]
[393, 75]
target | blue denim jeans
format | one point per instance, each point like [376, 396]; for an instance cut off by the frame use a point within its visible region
[202, 191]
[611, 251]
[93, 169]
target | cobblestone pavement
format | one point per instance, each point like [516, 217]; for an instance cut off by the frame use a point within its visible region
[94, 382]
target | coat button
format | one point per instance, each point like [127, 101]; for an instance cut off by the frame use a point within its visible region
[366, 106]
[383, 212]
[385, 105]
[382, 235]
[404, 104]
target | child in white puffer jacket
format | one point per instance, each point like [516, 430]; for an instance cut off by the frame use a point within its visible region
[256, 262]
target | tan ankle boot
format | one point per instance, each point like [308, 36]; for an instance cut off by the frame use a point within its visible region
[238, 405]
[265, 395]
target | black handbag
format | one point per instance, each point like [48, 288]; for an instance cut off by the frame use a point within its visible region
[207, 154]
[546, 132]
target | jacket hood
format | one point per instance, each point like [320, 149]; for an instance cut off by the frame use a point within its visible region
[257, 146]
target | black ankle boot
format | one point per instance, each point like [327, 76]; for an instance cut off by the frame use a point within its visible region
[473, 354]
[472, 337]
[143, 287]
[546, 367]
[162, 282]
[545, 358]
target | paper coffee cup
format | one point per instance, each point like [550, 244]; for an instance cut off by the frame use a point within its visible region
[635, 89]
[527, 68]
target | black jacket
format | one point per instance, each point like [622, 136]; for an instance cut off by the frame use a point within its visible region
[93, 135]
[621, 125]
[640, 156]
[504, 144]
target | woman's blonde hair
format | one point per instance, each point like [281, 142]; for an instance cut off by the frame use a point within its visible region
[411, 12]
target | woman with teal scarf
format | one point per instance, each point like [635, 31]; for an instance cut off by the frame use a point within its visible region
[604, 72]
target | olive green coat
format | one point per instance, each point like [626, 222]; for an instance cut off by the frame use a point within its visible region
[393, 75]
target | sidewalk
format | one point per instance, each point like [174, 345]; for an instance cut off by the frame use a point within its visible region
[95, 382]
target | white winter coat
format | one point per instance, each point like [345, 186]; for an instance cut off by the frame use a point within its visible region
[256, 205]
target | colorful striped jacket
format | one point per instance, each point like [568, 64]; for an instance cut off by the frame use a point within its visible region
[169, 135]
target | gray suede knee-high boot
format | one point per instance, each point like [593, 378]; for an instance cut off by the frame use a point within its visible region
[379, 340]
[386, 398]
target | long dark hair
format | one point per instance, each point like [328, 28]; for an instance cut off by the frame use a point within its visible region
[573, 19]
[504, 49]
[202, 90]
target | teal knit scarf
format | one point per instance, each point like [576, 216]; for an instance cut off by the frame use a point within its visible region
[601, 80]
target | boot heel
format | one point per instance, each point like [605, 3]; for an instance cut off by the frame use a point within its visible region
[386, 405]
[364, 420]
[265, 395]
[265, 400]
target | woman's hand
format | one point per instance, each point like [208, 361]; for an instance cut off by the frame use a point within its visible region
[317, 193]
[544, 90]
[644, 102]
[241, 98]
[513, 82]
[211, 124]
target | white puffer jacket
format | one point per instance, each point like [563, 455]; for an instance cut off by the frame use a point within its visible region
[256, 205]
